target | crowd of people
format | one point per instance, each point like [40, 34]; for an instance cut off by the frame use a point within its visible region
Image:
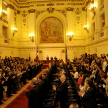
[14, 73]
[90, 73]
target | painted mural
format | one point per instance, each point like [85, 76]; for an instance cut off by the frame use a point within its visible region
[51, 31]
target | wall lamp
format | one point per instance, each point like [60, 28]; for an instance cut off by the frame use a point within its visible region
[93, 8]
[3, 13]
[86, 28]
[15, 30]
[70, 35]
[31, 36]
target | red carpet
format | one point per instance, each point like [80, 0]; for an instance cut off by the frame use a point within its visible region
[20, 102]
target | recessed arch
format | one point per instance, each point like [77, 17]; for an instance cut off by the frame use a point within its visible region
[44, 15]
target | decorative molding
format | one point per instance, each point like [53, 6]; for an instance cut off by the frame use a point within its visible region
[18, 12]
[24, 6]
[60, 3]
[97, 41]
[5, 21]
[50, 4]
[83, 9]
[88, 2]
[50, 10]
[40, 4]
[69, 9]
[31, 11]
[63, 51]
[62, 11]
[77, 11]
[26, 2]
[0, 18]
[38, 13]
[40, 51]
[10, 6]
[24, 15]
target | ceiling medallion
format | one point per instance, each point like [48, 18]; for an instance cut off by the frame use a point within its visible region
[50, 10]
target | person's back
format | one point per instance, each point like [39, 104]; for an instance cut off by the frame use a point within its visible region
[33, 96]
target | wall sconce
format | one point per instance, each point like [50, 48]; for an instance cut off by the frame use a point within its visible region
[86, 28]
[70, 35]
[14, 31]
[3, 13]
[93, 8]
[31, 36]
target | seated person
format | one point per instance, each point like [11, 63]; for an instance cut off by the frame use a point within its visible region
[61, 91]
[51, 58]
[47, 58]
[55, 58]
[74, 105]
[89, 96]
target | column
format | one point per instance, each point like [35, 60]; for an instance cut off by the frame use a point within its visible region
[10, 18]
[1, 35]
[89, 23]
[106, 17]
[70, 20]
[98, 20]
[32, 23]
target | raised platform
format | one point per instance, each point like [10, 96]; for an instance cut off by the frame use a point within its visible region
[45, 61]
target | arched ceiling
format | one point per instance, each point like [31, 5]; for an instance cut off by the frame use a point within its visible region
[52, 0]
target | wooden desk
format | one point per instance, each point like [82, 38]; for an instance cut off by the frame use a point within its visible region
[45, 61]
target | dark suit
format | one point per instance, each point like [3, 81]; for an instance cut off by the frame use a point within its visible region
[9, 85]
[89, 98]
[62, 94]
[33, 96]
[1, 91]
[47, 58]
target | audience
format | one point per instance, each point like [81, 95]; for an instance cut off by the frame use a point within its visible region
[14, 73]
[90, 73]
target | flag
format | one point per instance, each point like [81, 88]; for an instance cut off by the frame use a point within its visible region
[37, 57]
[66, 53]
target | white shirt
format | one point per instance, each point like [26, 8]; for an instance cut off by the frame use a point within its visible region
[76, 75]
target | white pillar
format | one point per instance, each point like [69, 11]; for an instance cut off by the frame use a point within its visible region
[32, 23]
[1, 35]
[89, 23]
[10, 18]
[89, 20]
[98, 20]
[106, 12]
[70, 20]
[106, 17]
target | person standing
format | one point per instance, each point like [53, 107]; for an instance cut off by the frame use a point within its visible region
[33, 97]
[47, 58]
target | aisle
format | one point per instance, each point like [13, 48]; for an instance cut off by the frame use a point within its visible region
[20, 102]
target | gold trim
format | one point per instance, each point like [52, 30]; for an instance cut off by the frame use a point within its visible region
[70, 9]
[31, 11]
